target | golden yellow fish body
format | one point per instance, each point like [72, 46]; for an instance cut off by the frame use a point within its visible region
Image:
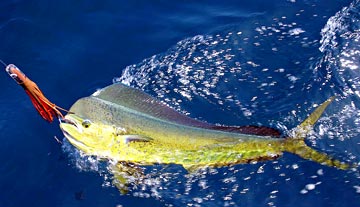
[127, 125]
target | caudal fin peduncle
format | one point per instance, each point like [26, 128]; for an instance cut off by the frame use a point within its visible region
[297, 145]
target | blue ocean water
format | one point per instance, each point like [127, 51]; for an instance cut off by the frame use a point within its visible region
[231, 62]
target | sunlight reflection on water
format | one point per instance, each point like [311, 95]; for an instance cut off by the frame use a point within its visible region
[223, 71]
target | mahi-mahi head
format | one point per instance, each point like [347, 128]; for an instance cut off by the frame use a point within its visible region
[126, 125]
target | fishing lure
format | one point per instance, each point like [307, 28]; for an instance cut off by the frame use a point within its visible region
[46, 109]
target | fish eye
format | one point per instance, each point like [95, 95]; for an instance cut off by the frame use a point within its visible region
[86, 123]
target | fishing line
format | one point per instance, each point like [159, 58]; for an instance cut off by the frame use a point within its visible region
[3, 63]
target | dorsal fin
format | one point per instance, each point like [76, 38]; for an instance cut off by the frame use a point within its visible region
[254, 130]
[137, 100]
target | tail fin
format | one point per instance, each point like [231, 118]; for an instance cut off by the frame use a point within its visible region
[298, 146]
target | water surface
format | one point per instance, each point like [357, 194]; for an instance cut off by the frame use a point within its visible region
[255, 62]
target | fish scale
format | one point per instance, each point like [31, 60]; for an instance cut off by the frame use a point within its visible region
[154, 133]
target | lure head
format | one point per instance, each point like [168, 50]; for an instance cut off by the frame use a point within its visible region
[90, 137]
[15, 73]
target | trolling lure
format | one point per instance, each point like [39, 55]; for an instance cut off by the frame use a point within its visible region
[46, 109]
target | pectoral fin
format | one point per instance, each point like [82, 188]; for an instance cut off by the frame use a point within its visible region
[191, 168]
[134, 138]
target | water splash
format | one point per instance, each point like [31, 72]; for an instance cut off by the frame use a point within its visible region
[225, 71]
[339, 70]
[341, 48]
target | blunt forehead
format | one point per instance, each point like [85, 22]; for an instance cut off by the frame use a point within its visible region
[91, 108]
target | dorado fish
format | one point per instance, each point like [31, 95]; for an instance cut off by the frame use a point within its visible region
[129, 127]
[126, 125]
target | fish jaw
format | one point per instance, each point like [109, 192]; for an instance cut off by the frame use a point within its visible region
[92, 139]
[72, 130]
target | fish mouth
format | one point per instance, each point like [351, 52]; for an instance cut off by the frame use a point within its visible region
[68, 121]
[72, 139]
[72, 122]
